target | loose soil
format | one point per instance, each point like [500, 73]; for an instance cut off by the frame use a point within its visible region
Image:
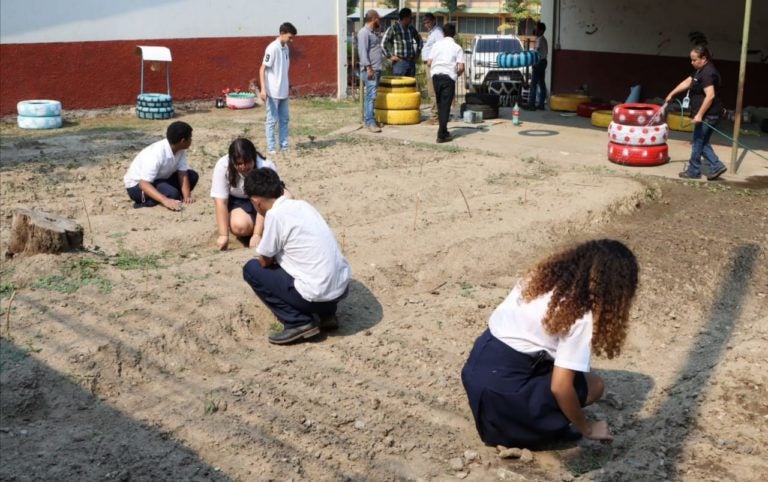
[145, 357]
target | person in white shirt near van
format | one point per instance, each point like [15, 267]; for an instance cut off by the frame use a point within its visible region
[446, 63]
[435, 34]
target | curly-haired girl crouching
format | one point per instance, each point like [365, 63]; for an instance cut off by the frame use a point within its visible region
[527, 377]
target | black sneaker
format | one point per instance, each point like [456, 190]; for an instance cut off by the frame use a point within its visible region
[447, 138]
[289, 335]
[716, 174]
[687, 175]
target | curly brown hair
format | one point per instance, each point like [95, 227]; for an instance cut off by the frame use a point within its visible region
[598, 276]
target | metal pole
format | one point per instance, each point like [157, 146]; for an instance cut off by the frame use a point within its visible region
[362, 93]
[742, 77]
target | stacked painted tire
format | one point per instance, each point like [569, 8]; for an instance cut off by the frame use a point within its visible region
[507, 60]
[567, 102]
[486, 104]
[397, 101]
[638, 135]
[39, 114]
[154, 106]
[679, 122]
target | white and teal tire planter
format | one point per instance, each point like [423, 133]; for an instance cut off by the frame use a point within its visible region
[44, 122]
[39, 114]
[154, 106]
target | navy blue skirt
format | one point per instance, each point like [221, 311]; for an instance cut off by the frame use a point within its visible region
[511, 397]
[245, 204]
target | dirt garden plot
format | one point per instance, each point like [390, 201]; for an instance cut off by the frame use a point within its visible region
[145, 356]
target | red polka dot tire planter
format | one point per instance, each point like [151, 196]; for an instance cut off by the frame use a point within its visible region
[638, 156]
[638, 114]
[638, 135]
[586, 109]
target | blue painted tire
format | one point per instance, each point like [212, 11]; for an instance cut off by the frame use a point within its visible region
[39, 108]
[144, 113]
[517, 60]
[47, 122]
[154, 97]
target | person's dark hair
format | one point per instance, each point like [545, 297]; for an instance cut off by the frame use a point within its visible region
[598, 276]
[449, 30]
[541, 26]
[263, 182]
[240, 148]
[404, 13]
[702, 51]
[429, 16]
[178, 131]
[288, 27]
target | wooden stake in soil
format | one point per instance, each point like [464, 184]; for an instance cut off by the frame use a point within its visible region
[465, 202]
[34, 231]
[90, 228]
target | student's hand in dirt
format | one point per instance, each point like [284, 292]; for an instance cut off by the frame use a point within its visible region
[599, 431]
[172, 204]
[222, 242]
[189, 200]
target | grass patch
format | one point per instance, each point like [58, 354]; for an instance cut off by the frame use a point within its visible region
[587, 461]
[128, 260]
[76, 273]
[6, 289]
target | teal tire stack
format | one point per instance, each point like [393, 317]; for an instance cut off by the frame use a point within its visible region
[154, 106]
[39, 114]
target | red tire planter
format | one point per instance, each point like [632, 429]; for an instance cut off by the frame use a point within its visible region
[638, 135]
[638, 114]
[587, 108]
[638, 156]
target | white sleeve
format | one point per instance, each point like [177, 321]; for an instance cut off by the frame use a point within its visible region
[460, 56]
[270, 244]
[219, 182]
[269, 56]
[148, 164]
[575, 350]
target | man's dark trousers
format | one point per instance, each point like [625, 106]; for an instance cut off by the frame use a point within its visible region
[445, 88]
[276, 289]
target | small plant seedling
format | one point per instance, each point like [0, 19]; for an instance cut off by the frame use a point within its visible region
[211, 404]
[128, 260]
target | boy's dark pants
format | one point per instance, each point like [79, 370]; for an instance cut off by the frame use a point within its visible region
[445, 88]
[169, 188]
[276, 289]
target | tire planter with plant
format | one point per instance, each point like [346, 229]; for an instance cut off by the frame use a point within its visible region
[397, 81]
[400, 101]
[398, 117]
[241, 100]
[154, 113]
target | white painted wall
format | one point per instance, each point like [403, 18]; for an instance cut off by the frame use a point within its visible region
[657, 27]
[39, 21]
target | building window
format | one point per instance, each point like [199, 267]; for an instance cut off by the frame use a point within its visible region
[478, 25]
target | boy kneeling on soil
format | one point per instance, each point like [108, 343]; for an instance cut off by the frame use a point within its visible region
[527, 377]
[300, 271]
[159, 173]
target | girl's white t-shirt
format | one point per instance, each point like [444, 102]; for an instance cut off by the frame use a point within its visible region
[517, 323]
[220, 187]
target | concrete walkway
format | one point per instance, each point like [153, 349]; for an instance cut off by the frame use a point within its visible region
[566, 139]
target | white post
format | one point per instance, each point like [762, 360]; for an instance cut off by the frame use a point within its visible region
[341, 49]
[742, 77]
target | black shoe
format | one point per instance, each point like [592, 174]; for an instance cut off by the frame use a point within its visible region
[289, 335]
[717, 174]
[447, 138]
[329, 322]
[687, 175]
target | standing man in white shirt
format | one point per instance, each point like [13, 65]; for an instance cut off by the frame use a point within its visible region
[435, 34]
[274, 86]
[538, 84]
[300, 271]
[446, 63]
[159, 173]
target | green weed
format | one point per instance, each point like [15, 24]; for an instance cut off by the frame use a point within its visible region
[6, 289]
[75, 273]
[211, 404]
[128, 260]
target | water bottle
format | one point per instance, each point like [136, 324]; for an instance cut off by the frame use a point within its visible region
[516, 115]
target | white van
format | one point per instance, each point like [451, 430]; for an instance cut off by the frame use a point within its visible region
[481, 66]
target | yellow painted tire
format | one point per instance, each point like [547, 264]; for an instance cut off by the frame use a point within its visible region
[678, 123]
[407, 101]
[602, 118]
[400, 89]
[397, 80]
[398, 117]
[567, 102]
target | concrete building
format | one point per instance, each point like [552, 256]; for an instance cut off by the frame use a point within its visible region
[82, 52]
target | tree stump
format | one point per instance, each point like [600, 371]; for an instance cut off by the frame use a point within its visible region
[34, 231]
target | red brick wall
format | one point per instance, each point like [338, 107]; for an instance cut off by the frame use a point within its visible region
[87, 75]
